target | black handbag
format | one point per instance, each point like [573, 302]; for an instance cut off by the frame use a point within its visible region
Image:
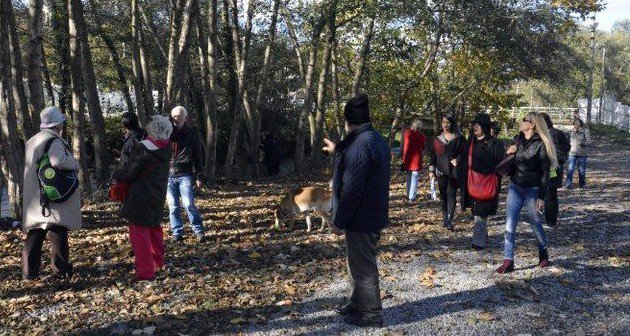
[506, 165]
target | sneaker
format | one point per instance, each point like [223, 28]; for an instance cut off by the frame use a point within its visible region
[200, 237]
[543, 258]
[365, 320]
[506, 267]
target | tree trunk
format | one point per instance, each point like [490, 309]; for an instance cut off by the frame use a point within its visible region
[11, 151]
[147, 85]
[241, 56]
[97, 122]
[35, 83]
[138, 78]
[47, 81]
[320, 115]
[207, 54]
[400, 109]
[180, 32]
[308, 97]
[78, 104]
[60, 27]
[362, 57]
[336, 96]
[294, 38]
[120, 70]
[17, 74]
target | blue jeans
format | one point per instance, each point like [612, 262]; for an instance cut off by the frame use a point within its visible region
[580, 161]
[516, 198]
[183, 187]
[412, 184]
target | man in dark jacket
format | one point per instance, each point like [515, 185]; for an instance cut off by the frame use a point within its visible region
[360, 204]
[562, 151]
[187, 164]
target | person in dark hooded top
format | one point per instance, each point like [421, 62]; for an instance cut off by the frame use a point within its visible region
[487, 152]
[146, 171]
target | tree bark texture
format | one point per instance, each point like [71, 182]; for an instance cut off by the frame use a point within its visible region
[78, 104]
[308, 97]
[11, 151]
[362, 57]
[17, 73]
[35, 60]
[97, 122]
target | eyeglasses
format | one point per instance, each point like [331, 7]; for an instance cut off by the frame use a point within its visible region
[526, 120]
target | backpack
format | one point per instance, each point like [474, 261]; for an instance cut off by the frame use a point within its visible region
[55, 185]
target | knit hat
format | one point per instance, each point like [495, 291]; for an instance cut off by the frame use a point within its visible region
[51, 117]
[357, 111]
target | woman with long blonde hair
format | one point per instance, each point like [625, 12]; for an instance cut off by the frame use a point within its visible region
[535, 156]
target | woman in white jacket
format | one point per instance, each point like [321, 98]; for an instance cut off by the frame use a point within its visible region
[63, 216]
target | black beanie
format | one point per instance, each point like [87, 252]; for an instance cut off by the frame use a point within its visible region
[357, 111]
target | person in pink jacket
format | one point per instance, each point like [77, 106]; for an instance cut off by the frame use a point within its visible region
[413, 146]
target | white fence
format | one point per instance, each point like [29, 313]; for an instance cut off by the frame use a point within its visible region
[613, 112]
[559, 115]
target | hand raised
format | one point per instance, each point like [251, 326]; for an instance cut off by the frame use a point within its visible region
[329, 146]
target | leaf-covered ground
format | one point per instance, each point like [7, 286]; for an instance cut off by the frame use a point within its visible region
[250, 278]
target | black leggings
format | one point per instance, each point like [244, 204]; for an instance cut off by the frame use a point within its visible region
[448, 195]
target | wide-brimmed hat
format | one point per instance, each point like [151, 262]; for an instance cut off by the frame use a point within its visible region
[51, 117]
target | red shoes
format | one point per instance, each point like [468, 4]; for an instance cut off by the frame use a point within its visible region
[506, 267]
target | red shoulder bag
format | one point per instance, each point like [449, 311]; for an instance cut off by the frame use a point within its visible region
[480, 187]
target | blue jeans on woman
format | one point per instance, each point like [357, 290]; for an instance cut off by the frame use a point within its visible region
[580, 161]
[412, 184]
[182, 186]
[517, 197]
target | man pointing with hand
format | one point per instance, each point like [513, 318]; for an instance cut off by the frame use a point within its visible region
[360, 208]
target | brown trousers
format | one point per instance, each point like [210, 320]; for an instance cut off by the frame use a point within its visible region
[59, 252]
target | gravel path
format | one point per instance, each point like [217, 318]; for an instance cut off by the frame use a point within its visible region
[434, 284]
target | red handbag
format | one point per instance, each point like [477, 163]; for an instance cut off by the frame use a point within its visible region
[118, 191]
[480, 187]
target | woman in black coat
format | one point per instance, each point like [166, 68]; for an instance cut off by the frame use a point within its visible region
[487, 153]
[146, 172]
[445, 155]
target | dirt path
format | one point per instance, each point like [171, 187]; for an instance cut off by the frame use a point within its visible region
[251, 279]
[445, 288]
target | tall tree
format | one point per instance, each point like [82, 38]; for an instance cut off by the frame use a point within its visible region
[109, 43]
[317, 136]
[78, 102]
[35, 59]
[180, 28]
[139, 80]
[17, 72]
[11, 153]
[207, 59]
[241, 57]
[307, 90]
[97, 122]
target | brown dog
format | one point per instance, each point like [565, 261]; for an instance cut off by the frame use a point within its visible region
[305, 200]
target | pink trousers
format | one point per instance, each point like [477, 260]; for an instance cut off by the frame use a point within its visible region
[148, 249]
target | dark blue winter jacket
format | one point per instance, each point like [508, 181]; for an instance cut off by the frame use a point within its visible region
[361, 175]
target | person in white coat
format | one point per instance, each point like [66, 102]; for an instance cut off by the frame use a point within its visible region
[63, 217]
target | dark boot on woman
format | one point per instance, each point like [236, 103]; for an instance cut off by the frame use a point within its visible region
[506, 267]
[543, 258]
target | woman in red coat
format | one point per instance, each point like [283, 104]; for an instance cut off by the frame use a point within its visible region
[412, 148]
